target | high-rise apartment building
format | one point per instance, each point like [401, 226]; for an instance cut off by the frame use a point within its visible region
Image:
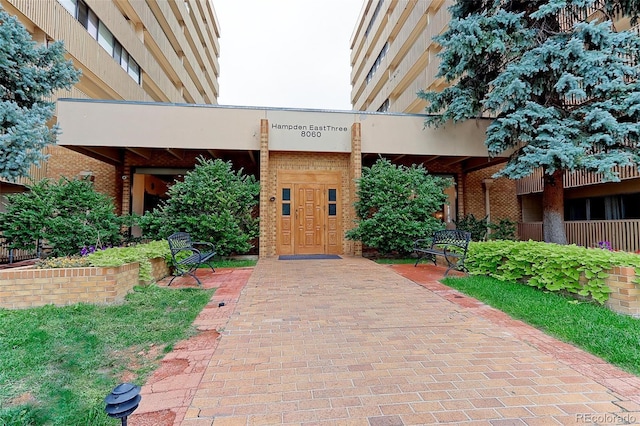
[132, 50]
[393, 56]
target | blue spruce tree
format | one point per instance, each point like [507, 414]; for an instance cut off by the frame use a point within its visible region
[562, 88]
[29, 75]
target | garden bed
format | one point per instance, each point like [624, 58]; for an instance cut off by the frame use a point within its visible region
[30, 287]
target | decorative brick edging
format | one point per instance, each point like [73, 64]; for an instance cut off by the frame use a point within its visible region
[30, 287]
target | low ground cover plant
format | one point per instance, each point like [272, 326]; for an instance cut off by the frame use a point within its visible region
[606, 334]
[114, 257]
[141, 253]
[547, 266]
[58, 363]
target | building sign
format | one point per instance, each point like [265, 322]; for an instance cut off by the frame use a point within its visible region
[309, 131]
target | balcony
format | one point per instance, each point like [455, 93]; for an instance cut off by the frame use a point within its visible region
[534, 183]
[622, 234]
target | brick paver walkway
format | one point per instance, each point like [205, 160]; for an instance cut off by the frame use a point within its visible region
[350, 342]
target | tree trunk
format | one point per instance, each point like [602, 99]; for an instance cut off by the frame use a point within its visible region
[553, 208]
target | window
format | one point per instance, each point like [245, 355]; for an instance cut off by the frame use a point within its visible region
[70, 5]
[83, 13]
[373, 17]
[99, 31]
[105, 38]
[117, 52]
[385, 106]
[134, 70]
[92, 24]
[88, 19]
[612, 207]
[378, 61]
[286, 201]
[575, 209]
[124, 60]
[333, 197]
[630, 206]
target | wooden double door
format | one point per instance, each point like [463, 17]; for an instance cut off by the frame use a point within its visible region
[308, 215]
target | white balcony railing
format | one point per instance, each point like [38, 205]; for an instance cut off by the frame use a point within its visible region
[622, 234]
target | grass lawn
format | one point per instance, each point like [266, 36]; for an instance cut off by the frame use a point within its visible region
[232, 263]
[58, 363]
[594, 328]
[396, 261]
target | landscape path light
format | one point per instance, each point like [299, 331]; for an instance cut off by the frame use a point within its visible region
[122, 401]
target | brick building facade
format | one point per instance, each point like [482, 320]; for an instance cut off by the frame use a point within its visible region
[307, 176]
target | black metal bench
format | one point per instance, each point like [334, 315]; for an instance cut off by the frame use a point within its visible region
[452, 244]
[186, 257]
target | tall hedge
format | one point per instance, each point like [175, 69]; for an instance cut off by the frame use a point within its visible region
[213, 203]
[396, 205]
[67, 215]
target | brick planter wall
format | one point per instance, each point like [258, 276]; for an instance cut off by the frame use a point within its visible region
[625, 295]
[30, 287]
[159, 269]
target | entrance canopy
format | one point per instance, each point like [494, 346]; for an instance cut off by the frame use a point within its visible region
[307, 161]
[107, 130]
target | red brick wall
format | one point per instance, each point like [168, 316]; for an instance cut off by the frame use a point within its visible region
[64, 162]
[29, 287]
[502, 196]
[65, 286]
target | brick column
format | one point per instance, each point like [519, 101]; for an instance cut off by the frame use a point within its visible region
[267, 242]
[125, 179]
[461, 180]
[355, 172]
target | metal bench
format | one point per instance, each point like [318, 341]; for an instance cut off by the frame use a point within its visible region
[186, 257]
[452, 244]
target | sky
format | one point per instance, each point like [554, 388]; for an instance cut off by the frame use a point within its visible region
[286, 53]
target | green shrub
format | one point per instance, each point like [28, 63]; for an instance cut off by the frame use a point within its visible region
[67, 215]
[213, 203]
[396, 205]
[548, 266]
[476, 227]
[505, 229]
